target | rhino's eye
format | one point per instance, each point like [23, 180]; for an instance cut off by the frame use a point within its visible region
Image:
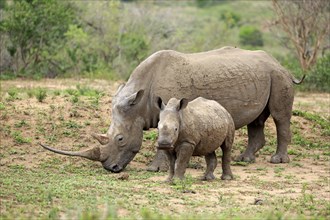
[176, 129]
[120, 140]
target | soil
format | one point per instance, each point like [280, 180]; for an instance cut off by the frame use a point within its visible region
[309, 168]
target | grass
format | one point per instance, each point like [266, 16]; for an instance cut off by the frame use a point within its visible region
[323, 123]
[38, 184]
[62, 190]
[41, 94]
[19, 139]
[150, 135]
[2, 106]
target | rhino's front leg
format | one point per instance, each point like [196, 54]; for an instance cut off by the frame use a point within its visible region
[183, 154]
[256, 141]
[171, 156]
[256, 138]
[159, 163]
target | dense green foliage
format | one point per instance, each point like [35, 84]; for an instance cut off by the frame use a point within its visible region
[250, 35]
[319, 77]
[35, 30]
[108, 39]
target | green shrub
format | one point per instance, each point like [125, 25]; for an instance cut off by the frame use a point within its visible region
[318, 79]
[41, 94]
[249, 35]
[230, 18]
[36, 30]
[134, 50]
[74, 99]
[12, 92]
[204, 3]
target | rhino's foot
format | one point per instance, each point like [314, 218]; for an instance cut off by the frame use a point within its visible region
[227, 177]
[160, 163]
[157, 167]
[246, 158]
[168, 180]
[208, 177]
[280, 158]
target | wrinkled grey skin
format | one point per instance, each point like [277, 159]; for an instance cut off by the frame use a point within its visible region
[196, 128]
[251, 85]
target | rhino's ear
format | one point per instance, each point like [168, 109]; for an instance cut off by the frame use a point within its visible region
[159, 103]
[182, 104]
[135, 98]
[121, 86]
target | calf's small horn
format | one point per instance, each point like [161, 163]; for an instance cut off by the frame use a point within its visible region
[92, 153]
[102, 138]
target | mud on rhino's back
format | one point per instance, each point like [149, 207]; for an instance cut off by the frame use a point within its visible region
[238, 79]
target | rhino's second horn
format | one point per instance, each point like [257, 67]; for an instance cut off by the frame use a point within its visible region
[102, 138]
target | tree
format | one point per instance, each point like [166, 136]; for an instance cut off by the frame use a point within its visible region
[306, 22]
[35, 29]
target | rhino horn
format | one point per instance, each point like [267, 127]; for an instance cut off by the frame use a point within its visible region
[102, 138]
[91, 154]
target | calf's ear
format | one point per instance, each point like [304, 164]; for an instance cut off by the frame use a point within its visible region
[159, 103]
[182, 104]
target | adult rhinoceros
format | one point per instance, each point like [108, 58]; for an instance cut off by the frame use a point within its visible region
[251, 85]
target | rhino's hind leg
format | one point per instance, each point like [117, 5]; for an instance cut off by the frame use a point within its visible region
[256, 138]
[211, 164]
[159, 163]
[283, 139]
[280, 106]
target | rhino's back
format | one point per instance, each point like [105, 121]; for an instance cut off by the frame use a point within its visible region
[206, 124]
[238, 79]
[207, 114]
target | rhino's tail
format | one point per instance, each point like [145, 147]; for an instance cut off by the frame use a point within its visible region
[297, 81]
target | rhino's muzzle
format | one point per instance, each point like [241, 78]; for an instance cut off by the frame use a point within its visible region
[165, 146]
[113, 168]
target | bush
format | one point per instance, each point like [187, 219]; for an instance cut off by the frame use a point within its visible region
[230, 18]
[41, 94]
[35, 32]
[203, 3]
[318, 78]
[249, 35]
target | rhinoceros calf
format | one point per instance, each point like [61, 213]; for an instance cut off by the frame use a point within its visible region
[196, 128]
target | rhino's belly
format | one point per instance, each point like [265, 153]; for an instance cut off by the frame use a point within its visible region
[243, 92]
[210, 143]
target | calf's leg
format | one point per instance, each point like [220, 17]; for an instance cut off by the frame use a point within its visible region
[211, 164]
[226, 155]
[183, 154]
[171, 158]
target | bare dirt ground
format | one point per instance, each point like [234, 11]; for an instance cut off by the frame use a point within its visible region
[304, 183]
